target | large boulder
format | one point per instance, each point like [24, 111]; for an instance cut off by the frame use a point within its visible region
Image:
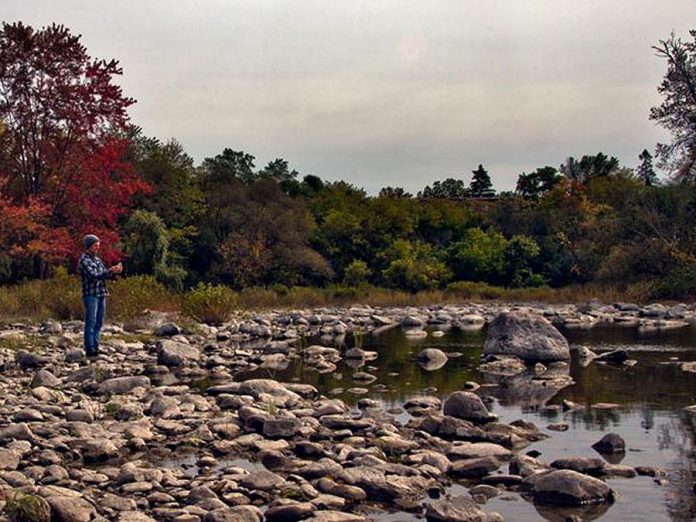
[569, 488]
[467, 406]
[526, 335]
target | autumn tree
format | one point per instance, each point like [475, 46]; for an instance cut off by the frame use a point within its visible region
[60, 111]
[25, 233]
[55, 101]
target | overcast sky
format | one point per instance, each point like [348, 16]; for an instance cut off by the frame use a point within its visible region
[385, 92]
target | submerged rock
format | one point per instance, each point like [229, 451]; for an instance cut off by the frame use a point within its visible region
[610, 443]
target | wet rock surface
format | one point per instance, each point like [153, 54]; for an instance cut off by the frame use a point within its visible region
[162, 426]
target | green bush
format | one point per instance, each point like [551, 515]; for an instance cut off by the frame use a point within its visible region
[130, 296]
[356, 274]
[679, 284]
[210, 304]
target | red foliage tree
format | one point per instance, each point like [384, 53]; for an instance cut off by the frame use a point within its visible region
[60, 111]
[25, 232]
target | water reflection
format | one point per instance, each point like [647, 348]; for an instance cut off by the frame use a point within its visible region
[642, 403]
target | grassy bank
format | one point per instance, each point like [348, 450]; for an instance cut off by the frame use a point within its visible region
[60, 297]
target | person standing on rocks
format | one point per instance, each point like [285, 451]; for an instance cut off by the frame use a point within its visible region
[94, 275]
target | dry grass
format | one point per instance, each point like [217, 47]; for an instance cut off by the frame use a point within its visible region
[60, 297]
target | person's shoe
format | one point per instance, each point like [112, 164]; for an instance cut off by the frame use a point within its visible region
[91, 353]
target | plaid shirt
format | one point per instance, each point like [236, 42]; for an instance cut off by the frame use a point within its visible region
[94, 275]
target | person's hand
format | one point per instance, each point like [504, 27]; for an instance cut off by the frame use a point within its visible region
[117, 269]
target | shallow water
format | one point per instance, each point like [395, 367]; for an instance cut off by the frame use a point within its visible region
[650, 397]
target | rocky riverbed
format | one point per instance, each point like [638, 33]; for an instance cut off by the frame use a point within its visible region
[162, 427]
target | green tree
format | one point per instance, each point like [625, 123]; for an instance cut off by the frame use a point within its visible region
[450, 188]
[394, 193]
[146, 242]
[258, 235]
[538, 182]
[230, 164]
[479, 256]
[481, 185]
[414, 266]
[677, 112]
[588, 167]
[176, 196]
[279, 171]
[645, 171]
[520, 253]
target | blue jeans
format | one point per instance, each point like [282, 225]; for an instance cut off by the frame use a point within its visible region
[94, 319]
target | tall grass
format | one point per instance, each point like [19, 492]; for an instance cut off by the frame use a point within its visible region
[60, 297]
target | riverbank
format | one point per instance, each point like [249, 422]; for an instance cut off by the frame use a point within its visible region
[162, 427]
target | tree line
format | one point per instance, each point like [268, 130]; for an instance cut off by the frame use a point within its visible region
[72, 162]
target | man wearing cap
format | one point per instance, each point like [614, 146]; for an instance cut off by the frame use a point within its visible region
[94, 275]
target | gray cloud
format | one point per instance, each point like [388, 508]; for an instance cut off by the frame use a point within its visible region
[386, 92]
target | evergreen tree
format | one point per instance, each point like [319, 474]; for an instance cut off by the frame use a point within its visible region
[481, 185]
[645, 170]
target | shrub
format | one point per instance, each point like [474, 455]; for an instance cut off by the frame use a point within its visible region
[679, 283]
[131, 295]
[210, 304]
[356, 273]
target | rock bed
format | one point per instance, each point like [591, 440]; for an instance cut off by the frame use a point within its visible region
[87, 441]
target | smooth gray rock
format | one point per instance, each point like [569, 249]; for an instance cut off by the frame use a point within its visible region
[262, 480]
[172, 353]
[526, 335]
[467, 406]
[569, 488]
[25, 359]
[585, 465]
